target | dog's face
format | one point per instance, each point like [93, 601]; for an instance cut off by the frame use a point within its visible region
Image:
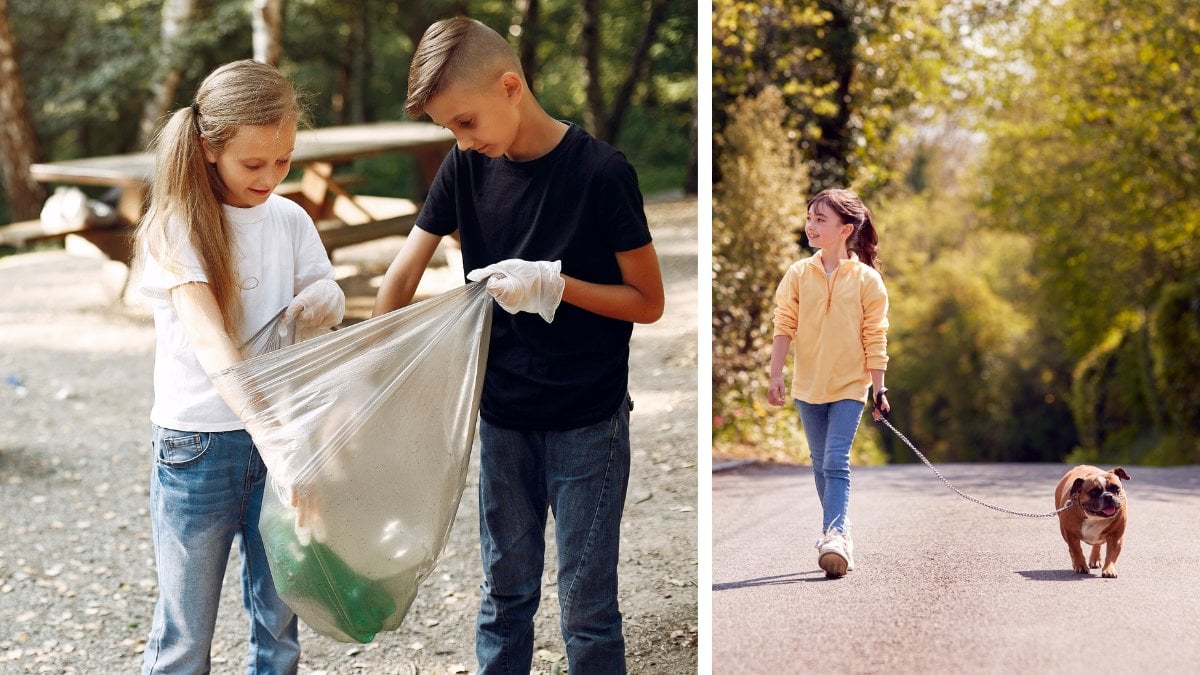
[1100, 494]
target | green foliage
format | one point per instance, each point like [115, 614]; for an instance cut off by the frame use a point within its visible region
[1175, 348]
[1092, 156]
[88, 65]
[1124, 385]
[1093, 153]
[1108, 398]
[972, 375]
[84, 67]
[852, 74]
[756, 211]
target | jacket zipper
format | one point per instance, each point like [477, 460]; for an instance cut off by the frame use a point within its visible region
[829, 282]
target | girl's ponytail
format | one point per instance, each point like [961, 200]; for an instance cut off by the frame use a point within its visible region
[865, 241]
[185, 199]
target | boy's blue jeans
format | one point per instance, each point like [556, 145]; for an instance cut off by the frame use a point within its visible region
[206, 491]
[830, 429]
[582, 476]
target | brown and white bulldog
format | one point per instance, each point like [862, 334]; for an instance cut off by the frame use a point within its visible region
[1096, 516]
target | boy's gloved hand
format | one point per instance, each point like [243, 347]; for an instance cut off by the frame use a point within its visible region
[320, 305]
[524, 286]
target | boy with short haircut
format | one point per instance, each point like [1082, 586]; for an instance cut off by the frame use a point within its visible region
[547, 214]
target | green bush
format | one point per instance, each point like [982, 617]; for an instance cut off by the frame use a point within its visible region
[1175, 347]
[1119, 385]
[1106, 392]
[757, 207]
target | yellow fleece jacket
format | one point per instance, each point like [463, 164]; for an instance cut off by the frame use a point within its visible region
[838, 326]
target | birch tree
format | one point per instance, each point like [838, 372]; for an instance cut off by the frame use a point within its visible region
[176, 16]
[267, 18]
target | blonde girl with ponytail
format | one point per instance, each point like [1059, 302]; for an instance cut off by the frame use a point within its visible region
[219, 257]
[831, 312]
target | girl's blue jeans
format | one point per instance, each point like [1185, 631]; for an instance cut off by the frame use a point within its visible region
[830, 429]
[582, 476]
[206, 490]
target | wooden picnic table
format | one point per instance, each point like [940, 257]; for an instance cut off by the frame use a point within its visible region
[342, 217]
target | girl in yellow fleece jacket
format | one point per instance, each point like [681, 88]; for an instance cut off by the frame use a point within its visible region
[833, 308]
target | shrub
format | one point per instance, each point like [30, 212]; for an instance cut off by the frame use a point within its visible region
[1175, 348]
[1099, 406]
[757, 208]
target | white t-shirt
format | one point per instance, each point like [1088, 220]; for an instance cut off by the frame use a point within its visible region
[279, 253]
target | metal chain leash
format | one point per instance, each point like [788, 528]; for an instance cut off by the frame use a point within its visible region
[887, 423]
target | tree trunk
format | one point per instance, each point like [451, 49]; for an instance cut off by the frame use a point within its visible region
[834, 146]
[594, 112]
[267, 19]
[691, 178]
[638, 64]
[361, 60]
[18, 141]
[175, 18]
[342, 98]
[530, 23]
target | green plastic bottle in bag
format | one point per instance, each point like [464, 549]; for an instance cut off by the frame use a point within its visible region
[311, 573]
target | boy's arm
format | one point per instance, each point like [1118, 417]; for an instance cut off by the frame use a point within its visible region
[639, 296]
[402, 276]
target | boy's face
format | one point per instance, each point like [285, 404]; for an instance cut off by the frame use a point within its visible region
[482, 118]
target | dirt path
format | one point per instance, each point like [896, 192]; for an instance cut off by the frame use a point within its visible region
[77, 579]
[942, 585]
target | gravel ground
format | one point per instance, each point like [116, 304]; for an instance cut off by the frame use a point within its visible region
[77, 576]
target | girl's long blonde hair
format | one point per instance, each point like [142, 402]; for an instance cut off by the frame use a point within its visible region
[188, 189]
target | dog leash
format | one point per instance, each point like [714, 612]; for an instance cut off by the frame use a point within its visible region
[887, 423]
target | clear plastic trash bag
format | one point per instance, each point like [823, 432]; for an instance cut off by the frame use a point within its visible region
[366, 433]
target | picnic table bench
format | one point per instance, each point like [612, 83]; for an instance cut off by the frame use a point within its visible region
[342, 218]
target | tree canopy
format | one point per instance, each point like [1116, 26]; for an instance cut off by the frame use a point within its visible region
[1032, 169]
[90, 66]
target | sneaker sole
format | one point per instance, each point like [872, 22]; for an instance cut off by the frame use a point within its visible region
[833, 564]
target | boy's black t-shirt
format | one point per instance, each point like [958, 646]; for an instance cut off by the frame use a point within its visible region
[580, 204]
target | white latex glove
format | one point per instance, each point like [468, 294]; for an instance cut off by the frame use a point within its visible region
[319, 306]
[524, 286]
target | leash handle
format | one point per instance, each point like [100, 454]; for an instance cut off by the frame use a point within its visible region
[885, 422]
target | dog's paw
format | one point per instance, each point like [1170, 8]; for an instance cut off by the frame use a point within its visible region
[1109, 572]
[1081, 569]
[1094, 564]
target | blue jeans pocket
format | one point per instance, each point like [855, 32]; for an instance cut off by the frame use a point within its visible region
[178, 449]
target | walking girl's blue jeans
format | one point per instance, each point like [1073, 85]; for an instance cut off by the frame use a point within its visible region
[206, 490]
[582, 476]
[830, 429]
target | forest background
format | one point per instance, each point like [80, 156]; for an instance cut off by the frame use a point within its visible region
[1032, 168]
[96, 77]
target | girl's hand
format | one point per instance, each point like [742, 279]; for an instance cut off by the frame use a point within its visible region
[777, 392]
[881, 408]
[320, 305]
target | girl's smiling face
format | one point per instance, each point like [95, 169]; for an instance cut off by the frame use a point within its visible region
[253, 162]
[825, 228]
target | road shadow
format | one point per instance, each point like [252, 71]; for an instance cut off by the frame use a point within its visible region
[1053, 575]
[777, 580]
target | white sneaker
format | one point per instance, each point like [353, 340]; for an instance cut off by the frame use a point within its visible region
[835, 554]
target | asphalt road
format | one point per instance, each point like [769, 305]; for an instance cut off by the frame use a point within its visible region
[943, 585]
